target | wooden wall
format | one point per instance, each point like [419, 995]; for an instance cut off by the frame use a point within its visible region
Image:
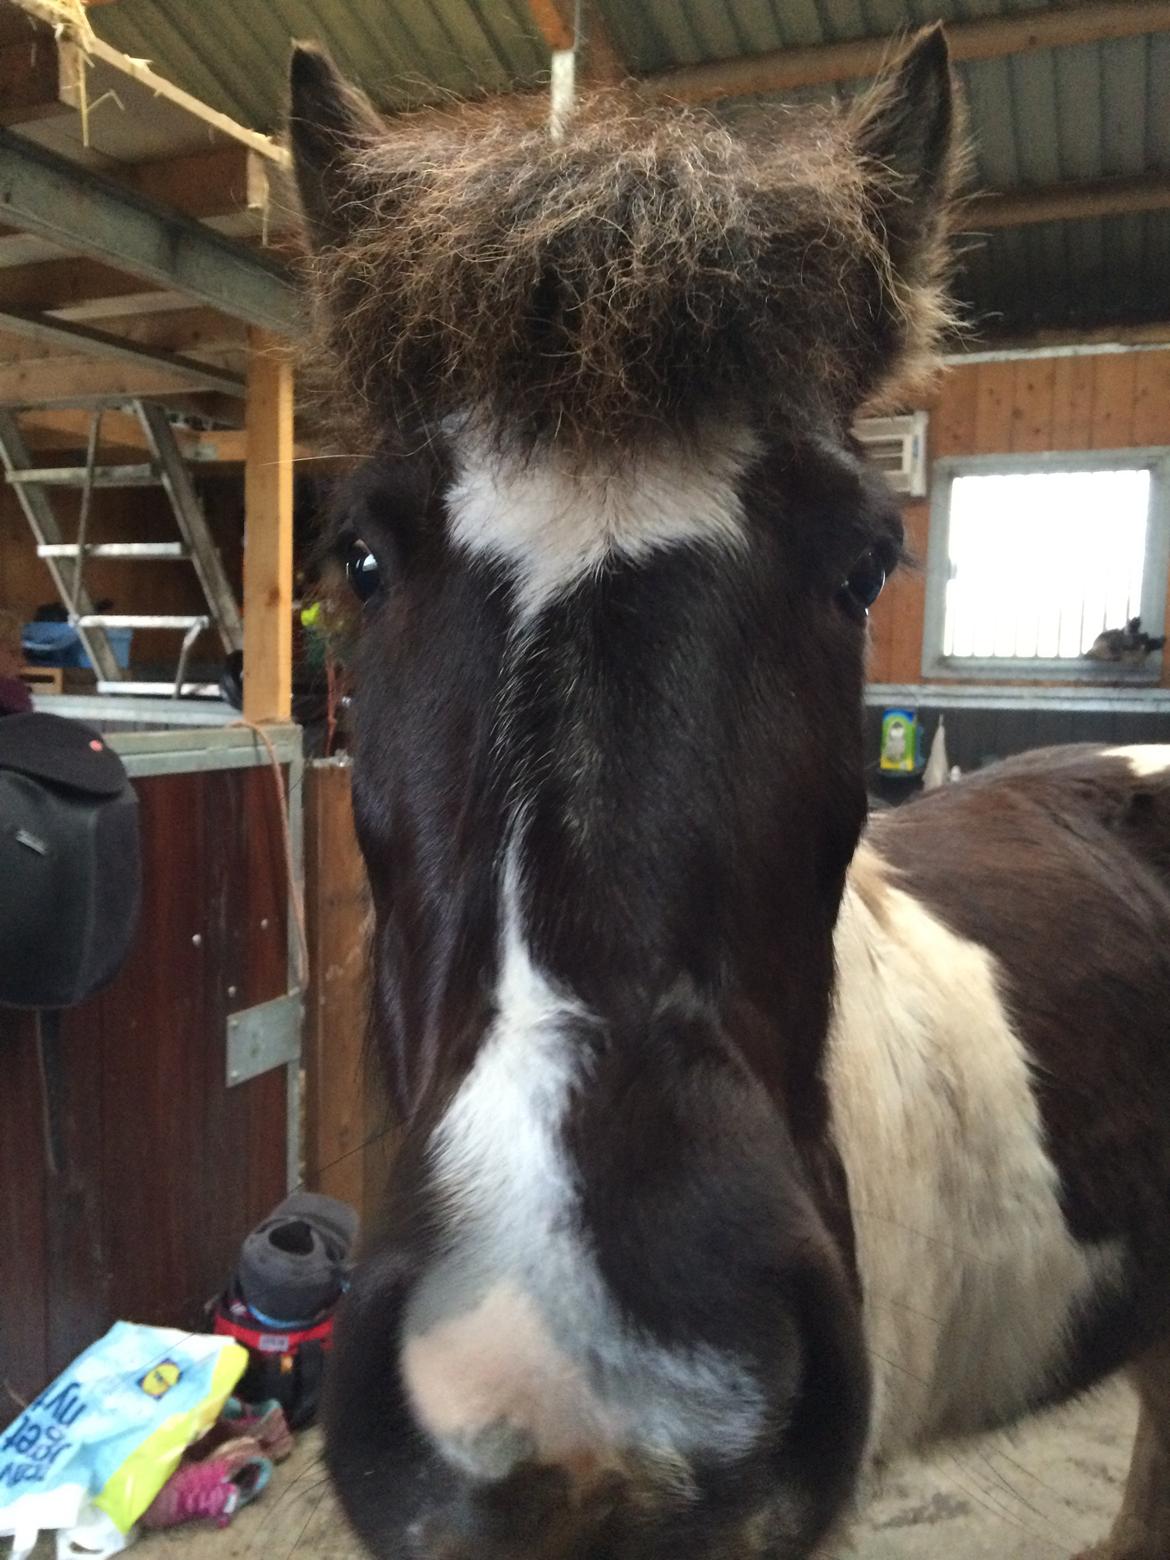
[163, 1169]
[1109, 401]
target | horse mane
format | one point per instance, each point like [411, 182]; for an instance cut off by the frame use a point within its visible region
[650, 268]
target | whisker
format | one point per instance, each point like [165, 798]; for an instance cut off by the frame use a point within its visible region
[1010, 1487]
[885, 1298]
[988, 1501]
[930, 1240]
[297, 1542]
[319, 1170]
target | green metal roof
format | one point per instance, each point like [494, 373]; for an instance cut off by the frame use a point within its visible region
[1080, 112]
[233, 53]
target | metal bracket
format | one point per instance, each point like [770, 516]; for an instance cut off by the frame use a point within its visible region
[263, 1037]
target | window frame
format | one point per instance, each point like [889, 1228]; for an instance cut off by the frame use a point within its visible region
[1155, 568]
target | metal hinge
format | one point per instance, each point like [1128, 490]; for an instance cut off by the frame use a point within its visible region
[263, 1037]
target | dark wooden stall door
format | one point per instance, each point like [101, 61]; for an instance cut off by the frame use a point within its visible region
[162, 1169]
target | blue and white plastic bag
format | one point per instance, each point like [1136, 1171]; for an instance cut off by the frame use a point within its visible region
[90, 1454]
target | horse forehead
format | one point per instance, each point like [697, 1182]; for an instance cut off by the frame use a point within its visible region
[556, 519]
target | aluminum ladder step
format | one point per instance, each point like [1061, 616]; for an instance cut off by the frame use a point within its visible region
[66, 560]
[42, 522]
[192, 523]
[75, 476]
[163, 690]
[185, 621]
[145, 551]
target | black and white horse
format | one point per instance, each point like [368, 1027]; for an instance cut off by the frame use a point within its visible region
[743, 1151]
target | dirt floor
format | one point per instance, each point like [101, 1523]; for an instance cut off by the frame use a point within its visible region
[1039, 1494]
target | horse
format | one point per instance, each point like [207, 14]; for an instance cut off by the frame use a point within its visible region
[744, 1147]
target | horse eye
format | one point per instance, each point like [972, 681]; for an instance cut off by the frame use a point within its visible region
[866, 580]
[362, 571]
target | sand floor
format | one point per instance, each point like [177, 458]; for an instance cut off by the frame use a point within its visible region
[1040, 1494]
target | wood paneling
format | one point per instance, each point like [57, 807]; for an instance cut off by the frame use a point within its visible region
[1033, 390]
[995, 395]
[897, 618]
[1107, 401]
[1151, 399]
[163, 1169]
[1072, 403]
[952, 420]
[1114, 382]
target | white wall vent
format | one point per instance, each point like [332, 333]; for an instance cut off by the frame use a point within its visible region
[898, 446]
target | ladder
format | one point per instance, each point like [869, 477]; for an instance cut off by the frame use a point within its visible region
[65, 560]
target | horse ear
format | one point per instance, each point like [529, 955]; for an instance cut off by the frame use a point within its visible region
[905, 130]
[330, 124]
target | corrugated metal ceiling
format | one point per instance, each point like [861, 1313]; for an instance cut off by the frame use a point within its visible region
[1082, 112]
[234, 55]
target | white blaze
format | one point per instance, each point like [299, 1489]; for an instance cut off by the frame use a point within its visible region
[555, 522]
[513, 1345]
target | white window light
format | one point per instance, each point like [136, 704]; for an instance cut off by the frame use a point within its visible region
[1032, 558]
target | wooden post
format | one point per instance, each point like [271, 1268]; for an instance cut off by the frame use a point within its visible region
[268, 531]
[349, 1142]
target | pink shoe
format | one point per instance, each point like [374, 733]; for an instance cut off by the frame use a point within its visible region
[213, 1488]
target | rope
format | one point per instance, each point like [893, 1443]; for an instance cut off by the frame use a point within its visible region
[295, 894]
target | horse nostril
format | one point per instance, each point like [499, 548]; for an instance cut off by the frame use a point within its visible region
[524, 1513]
[433, 1540]
[521, 1507]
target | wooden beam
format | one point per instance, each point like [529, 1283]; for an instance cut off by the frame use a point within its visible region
[1068, 202]
[213, 183]
[268, 532]
[65, 381]
[137, 85]
[555, 19]
[45, 331]
[17, 248]
[229, 447]
[85, 213]
[30, 81]
[344, 1107]
[553, 24]
[81, 289]
[986, 38]
[122, 305]
[1062, 341]
[66, 428]
[204, 335]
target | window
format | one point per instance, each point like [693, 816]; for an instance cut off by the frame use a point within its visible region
[1033, 558]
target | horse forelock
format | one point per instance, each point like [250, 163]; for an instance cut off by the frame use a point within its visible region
[650, 269]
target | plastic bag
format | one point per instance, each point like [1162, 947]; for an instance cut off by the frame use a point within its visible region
[92, 1452]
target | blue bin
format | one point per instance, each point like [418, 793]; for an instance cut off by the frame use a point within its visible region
[59, 644]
